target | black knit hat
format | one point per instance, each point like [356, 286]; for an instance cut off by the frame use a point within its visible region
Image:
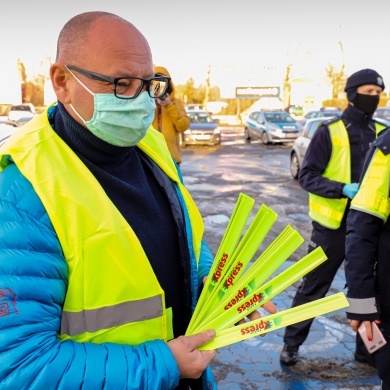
[362, 77]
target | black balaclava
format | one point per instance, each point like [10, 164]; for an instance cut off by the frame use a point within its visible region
[364, 103]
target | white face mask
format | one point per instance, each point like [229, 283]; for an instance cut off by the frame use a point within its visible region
[119, 122]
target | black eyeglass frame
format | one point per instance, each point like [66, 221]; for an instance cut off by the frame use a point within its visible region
[115, 80]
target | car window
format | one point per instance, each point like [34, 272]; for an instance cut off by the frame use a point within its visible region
[382, 113]
[310, 115]
[311, 128]
[21, 108]
[201, 117]
[279, 117]
[329, 113]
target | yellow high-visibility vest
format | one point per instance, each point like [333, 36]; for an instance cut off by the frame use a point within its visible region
[373, 194]
[329, 212]
[113, 294]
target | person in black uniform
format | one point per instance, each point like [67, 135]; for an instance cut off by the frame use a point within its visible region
[367, 252]
[330, 173]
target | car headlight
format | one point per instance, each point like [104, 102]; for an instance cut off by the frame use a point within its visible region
[274, 128]
[217, 130]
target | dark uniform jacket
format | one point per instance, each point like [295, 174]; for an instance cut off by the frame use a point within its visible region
[367, 261]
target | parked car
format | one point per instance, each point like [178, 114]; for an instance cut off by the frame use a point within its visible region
[7, 122]
[301, 144]
[382, 114]
[195, 107]
[323, 112]
[5, 131]
[203, 130]
[271, 127]
[19, 111]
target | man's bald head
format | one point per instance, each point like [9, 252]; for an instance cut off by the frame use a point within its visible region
[76, 34]
[97, 42]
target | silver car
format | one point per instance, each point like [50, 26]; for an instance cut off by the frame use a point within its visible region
[203, 130]
[271, 127]
[301, 144]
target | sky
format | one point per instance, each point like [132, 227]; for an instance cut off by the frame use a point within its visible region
[240, 42]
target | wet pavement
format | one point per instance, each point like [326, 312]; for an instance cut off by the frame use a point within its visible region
[215, 176]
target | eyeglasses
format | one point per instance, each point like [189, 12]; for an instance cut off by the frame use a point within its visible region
[129, 87]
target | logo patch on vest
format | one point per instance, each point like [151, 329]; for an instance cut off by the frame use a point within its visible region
[7, 302]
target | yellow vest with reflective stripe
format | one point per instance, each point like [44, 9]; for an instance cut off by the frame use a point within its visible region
[113, 294]
[373, 194]
[329, 211]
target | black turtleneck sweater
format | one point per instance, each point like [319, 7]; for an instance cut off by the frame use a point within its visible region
[361, 133]
[139, 190]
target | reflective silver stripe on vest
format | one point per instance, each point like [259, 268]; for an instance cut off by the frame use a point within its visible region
[362, 306]
[110, 316]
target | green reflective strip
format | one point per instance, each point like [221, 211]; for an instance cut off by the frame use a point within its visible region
[276, 321]
[74, 323]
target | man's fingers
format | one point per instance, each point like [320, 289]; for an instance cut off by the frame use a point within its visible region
[354, 324]
[270, 307]
[200, 339]
[368, 326]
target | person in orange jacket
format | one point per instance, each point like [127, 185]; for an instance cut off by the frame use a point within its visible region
[170, 117]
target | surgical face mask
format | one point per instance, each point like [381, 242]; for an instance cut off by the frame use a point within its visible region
[119, 122]
[366, 103]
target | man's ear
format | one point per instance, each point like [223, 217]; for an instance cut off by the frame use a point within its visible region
[60, 80]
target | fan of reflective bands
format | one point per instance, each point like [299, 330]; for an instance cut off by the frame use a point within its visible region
[235, 287]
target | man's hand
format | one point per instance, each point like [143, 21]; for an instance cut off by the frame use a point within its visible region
[355, 325]
[192, 362]
[163, 102]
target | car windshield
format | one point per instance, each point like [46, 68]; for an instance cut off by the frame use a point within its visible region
[382, 113]
[200, 117]
[329, 113]
[279, 117]
[21, 108]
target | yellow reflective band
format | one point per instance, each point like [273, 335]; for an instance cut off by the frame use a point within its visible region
[325, 210]
[234, 265]
[269, 261]
[230, 239]
[276, 321]
[245, 300]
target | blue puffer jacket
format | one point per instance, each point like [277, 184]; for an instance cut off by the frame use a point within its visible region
[33, 270]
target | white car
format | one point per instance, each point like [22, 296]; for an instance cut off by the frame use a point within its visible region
[21, 112]
[301, 144]
[5, 131]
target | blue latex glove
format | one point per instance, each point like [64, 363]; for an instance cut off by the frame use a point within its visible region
[350, 190]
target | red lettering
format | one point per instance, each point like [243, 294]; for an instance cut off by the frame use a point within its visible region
[241, 294]
[229, 281]
[256, 328]
[221, 264]
[247, 304]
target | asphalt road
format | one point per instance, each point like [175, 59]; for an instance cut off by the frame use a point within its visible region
[216, 176]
